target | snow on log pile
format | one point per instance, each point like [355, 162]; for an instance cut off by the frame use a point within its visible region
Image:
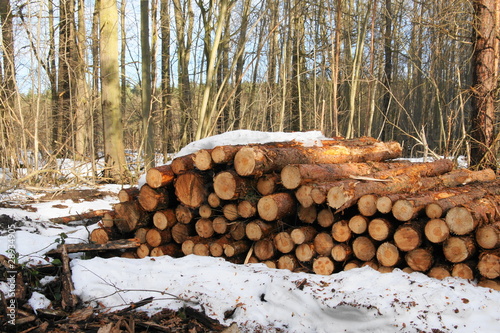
[336, 206]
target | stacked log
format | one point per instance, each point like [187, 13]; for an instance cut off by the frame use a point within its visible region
[323, 209]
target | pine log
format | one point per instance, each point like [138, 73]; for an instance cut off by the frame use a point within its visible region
[288, 261]
[182, 164]
[213, 200]
[305, 252]
[153, 199]
[358, 224]
[323, 244]
[488, 236]
[103, 235]
[364, 248]
[283, 242]
[325, 217]
[143, 250]
[463, 270]
[264, 249]
[268, 183]
[247, 208]
[128, 194]
[217, 247]
[295, 175]
[323, 266]
[237, 230]
[184, 214]
[458, 249]
[388, 254]
[204, 228]
[346, 193]
[187, 246]
[258, 229]
[367, 205]
[224, 154]
[276, 206]
[220, 225]
[436, 230]
[439, 272]
[489, 264]
[236, 248]
[108, 219]
[380, 229]
[318, 193]
[140, 234]
[192, 188]
[341, 232]
[230, 211]
[384, 202]
[303, 195]
[164, 219]
[228, 185]
[341, 252]
[205, 211]
[156, 237]
[181, 232]
[130, 216]
[160, 176]
[409, 235]
[201, 249]
[420, 259]
[170, 249]
[255, 161]
[351, 265]
[303, 234]
[307, 214]
[202, 159]
[464, 219]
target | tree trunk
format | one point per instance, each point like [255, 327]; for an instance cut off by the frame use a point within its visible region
[147, 115]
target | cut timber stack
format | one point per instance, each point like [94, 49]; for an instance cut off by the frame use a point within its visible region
[336, 206]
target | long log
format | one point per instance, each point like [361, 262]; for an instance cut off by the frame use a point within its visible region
[185, 214]
[119, 244]
[236, 248]
[79, 217]
[230, 211]
[220, 225]
[170, 249]
[205, 211]
[346, 193]
[463, 270]
[204, 228]
[295, 175]
[276, 206]
[288, 261]
[247, 208]
[325, 217]
[358, 224]
[367, 205]
[217, 246]
[103, 235]
[307, 214]
[192, 188]
[160, 176]
[264, 249]
[283, 242]
[228, 185]
[255, 161]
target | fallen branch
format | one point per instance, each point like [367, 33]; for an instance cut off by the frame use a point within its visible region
[79, 217]
[120, 244]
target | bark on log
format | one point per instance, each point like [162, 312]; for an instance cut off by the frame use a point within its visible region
[323, 266]
[268, 183]
[409, 235]
[489, 264]
[459, 249]
[258, 229]
[346, 193]
[276, 206]
[228, 185]
[463, 220]
[388, 254]
[154, 199]
[358, 224]
[182, 164]
[204, 228]
[341, 252]
[130, 216]
[103, 235]
[128, 194]
[436, 230]
[323, 244]
[364, 248]
[325, 217]
[156, 237]
[160, 176]
[224, 154]
[295, 175]
[192, 188]
[236, 248]
[170, 249]
[341, 232]
[220, 225]
[120, 244]
[303, 234]
[202, 159]
[305, 252]
[79, 217]
[307, 214]
[255, 161]
[283, 242]
[488, 236]
[380, 229]
[420, 259]
[264, 249]
[247, 208]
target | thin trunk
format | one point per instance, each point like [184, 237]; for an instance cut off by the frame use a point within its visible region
[147, 117]
[165, 79]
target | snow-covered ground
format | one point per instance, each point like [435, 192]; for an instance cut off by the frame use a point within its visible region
[253, 296]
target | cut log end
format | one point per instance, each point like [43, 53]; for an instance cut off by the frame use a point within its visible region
[244, 161]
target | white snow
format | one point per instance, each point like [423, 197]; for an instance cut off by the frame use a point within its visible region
[359, 300]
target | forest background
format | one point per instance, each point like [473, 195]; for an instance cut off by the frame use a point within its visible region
[99, 81]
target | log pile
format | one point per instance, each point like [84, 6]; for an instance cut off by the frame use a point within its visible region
[336, 206]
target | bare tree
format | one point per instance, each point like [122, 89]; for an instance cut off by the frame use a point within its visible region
[147, 117]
